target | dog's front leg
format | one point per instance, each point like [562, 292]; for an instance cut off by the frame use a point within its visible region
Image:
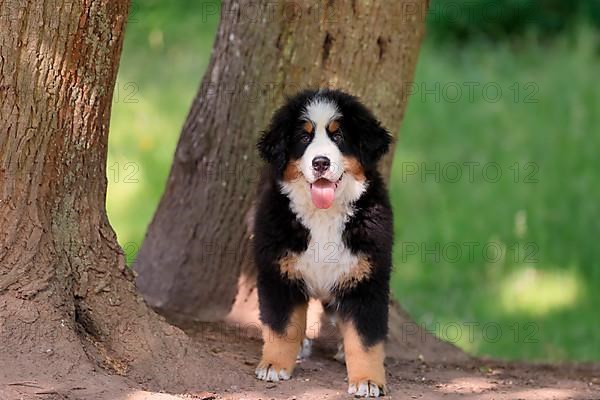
[281, 347]
[364, 363]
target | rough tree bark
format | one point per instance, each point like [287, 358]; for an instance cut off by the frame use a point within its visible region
[197, 247]
[67, 301]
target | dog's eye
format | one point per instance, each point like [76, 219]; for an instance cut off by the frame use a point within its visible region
[305, 138]
[336, 137]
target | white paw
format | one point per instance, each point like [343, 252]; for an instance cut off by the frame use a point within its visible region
[305, 349]
[271, 374]
[365, 389]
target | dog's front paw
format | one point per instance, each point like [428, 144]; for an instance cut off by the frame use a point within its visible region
[271, 372]
[366, 388]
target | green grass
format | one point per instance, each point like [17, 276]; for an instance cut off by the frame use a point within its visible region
[547, 298]
[166, 51]
[544, 220]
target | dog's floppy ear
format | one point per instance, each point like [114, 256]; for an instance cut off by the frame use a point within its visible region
[272, 145]
[374, 139]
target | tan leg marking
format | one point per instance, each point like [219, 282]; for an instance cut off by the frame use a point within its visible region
[280, 350]
[364, 364]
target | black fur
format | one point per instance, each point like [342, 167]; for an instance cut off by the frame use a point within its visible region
[277, 231]
[369, 230]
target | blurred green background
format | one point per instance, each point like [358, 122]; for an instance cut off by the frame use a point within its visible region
[496, 176]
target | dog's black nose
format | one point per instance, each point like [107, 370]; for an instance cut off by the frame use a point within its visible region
[321, 164]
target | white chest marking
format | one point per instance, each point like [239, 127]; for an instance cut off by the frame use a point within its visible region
[327, 259]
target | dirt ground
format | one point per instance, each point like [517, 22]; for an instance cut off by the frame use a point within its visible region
[229, 375]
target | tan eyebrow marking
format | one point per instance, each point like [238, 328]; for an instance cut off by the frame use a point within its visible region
[333, 126]
[308, 127]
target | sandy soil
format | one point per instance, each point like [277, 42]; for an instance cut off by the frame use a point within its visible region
[230, 376]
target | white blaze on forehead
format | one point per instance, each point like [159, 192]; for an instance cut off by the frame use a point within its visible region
[321, 112]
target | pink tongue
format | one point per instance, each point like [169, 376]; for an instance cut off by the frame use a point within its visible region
[323, 193]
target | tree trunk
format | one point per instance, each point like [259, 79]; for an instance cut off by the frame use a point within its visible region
[67, 301]
[197, 248]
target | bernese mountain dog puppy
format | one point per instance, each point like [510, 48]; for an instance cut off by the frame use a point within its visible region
[323, 229]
